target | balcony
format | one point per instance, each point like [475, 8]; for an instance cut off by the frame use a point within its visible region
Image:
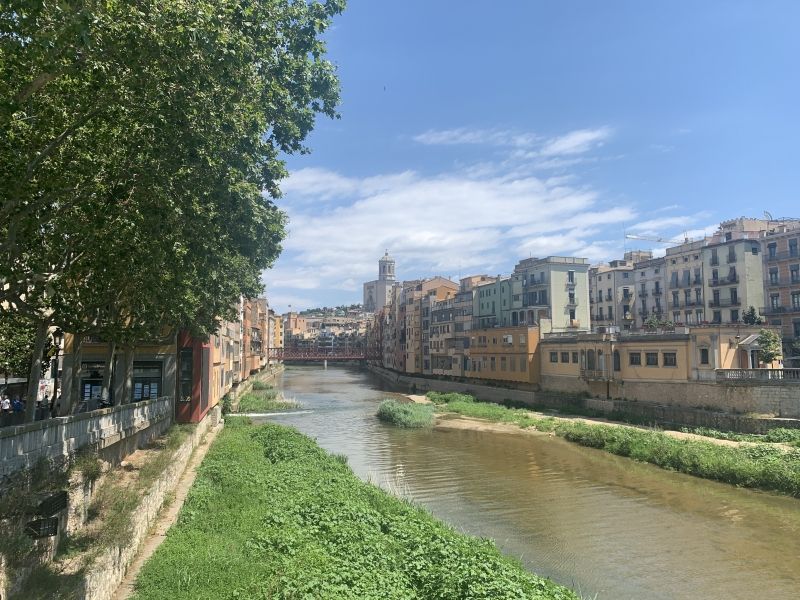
[775, 376]
[723, 281]
[642, 293]
[731, 258]
[779, 310]
[657, 292]
[724, 303]
[781, 255]
[779, 284]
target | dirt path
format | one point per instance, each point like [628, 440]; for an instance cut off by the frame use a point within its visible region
[167, 517]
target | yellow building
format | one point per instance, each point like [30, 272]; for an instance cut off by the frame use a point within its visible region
[504, 354]
[611, 364]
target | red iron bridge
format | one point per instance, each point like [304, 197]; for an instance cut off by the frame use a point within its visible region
[290, 354]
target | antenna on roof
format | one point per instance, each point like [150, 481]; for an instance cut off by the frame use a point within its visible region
[768, 216]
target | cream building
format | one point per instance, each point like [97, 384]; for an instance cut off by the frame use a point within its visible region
[378, 293]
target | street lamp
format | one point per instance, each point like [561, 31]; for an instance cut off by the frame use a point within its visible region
[58, 338]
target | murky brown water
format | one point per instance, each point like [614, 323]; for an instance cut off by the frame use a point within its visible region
[601, 524]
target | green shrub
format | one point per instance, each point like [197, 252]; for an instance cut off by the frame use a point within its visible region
[408, 414]
[88, 465]
[261, 385]
[446, 397]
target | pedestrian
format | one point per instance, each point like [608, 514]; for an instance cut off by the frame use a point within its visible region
[16, 405]
[5, 404]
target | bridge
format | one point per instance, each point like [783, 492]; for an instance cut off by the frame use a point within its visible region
[318, 355]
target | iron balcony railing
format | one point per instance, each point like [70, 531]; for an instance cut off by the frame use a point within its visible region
[723, 281]
[724, 303]
[781, 255]
[778, 310]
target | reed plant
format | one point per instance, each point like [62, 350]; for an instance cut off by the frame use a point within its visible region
[406, 414]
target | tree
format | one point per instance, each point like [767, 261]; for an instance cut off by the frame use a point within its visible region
[141, 153]
[16, 346]
[751, 317]
[656, 322]
[769, 346]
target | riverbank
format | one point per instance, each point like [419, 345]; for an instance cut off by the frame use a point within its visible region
[290, 520]
[769, 467]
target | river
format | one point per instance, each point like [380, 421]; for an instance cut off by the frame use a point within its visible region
[606, 526]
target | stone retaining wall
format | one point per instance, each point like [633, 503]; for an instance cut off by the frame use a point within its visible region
[108, 569]
[113, 432]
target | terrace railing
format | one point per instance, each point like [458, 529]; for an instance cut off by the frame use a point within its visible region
[782, 376]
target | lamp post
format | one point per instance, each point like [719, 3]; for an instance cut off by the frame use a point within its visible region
[58, 338]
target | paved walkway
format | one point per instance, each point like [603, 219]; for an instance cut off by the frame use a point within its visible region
[167, 517]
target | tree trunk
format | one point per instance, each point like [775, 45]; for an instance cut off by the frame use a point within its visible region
[73, 402]
[127, 381]
[35, 375]
[109, 371]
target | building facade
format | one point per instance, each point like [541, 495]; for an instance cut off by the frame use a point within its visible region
[377, 293]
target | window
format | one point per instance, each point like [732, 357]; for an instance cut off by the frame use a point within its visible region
[635, 358]
[502, 363]
[651, 359]
[717, 317]
[794, 273]
[703, 356]
[575, 358]
[186, 370]
[492, 363]
[792, 247]
[146, 380]
[565, 357]
[772, 250]
[625, 275]
[670, 359]
[734, 316]
[554, 357]
[571, 276]
[773, 275]
[617, 366]
[795, 300]
[774, 301]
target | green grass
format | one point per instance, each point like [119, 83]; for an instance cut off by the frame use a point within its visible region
[271, 515]
[406, 414]
[762, 466]
[261, 401]
[261, 385]
[781, 435]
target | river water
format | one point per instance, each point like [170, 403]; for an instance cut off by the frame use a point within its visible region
[606, 526]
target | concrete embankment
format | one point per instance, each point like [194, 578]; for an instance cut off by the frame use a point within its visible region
[621, 410]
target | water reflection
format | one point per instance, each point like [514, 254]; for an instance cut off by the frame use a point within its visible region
[599, 523]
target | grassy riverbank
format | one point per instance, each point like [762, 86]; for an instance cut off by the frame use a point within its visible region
[762, 466]
[271, 515]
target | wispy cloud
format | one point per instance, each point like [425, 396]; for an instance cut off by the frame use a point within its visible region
[464, 135]
[576, 142]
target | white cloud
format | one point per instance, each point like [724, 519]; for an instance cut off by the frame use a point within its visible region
[576, 142]
[654, 226]
[463, 135]
[441, 224]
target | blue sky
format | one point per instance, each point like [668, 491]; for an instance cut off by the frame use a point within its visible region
[474, 134]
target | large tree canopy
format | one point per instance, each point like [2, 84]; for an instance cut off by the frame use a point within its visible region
[141, 152]
[151, 123]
